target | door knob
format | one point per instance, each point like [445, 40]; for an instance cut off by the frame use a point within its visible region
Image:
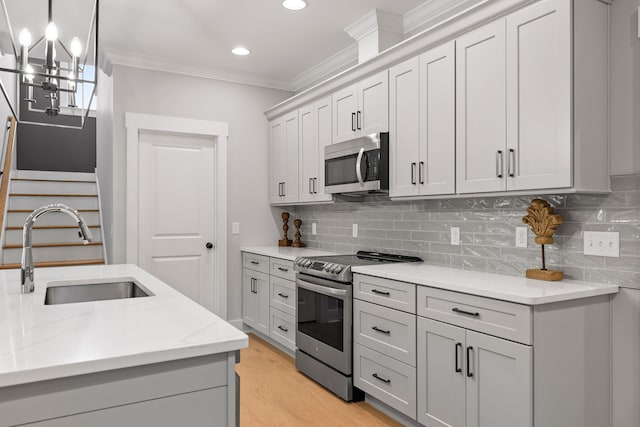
[209, 245]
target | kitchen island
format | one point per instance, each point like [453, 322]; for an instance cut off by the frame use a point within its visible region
[143, 361]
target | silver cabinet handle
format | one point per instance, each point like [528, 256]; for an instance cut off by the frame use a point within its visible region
[353, 122]
[284, 194]
[511, 163]
[315, 185]
[310, 185]
[359, 166]
[413, 173]
[499, 164]
[358, 121]
[421, 173]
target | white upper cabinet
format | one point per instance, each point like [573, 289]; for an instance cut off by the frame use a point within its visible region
[539, 145]
[422, 124]
[315, 134]
[481, 115]
[283, 182]
[362, 108]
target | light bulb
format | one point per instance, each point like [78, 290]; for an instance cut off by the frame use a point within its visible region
[51, 32]
[76, 47]
[25, 37]
[29, 73]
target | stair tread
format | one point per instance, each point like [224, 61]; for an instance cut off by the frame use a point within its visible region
[52, 180]
[48, 227]
[31, 210]
[51, 245]
[56, 263]
[52, 195]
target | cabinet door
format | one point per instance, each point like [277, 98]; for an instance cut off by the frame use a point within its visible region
[404, 128]
[436, 170]
[499, 382]
[290, 166]
[441, 374]
[249, 301]
[345, 104]
[480, 110]
[263, 296]
[539, 96]
[372, 115]
[277, 160]
[308, 153]
[323, 121]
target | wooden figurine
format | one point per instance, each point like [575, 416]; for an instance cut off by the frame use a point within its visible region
[543, 220]
[285, 241]
[297, 243]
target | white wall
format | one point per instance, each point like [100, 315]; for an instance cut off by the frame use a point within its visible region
[625, 88]
[241, 106]
[104, 157]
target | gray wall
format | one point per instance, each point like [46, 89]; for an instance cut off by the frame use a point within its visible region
[153, 92]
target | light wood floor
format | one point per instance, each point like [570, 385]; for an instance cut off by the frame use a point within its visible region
[274, 393]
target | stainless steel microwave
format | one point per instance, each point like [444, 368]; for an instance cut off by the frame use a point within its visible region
[358, 165]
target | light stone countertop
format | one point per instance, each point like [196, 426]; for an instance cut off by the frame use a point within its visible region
[41, 342]
[498, 286]
[285, 252]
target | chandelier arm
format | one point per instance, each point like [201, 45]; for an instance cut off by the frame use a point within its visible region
[13, 40]
[94, 22]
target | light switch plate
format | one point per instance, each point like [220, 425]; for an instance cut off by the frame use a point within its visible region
[355, 230]
[455, 236]
[314, 228]
[602, 243]
[521, 237]
[235, 228]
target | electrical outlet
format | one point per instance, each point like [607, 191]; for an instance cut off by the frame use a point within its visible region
[235, 228]
[355, 230]
[455, 236]
[521, 237]
[314, 228]
[602, 243]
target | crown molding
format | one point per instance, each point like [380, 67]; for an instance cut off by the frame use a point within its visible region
[375, 20]
[340, 61]
[115, 57]
[434, 11]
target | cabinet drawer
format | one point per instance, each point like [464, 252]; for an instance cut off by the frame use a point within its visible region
[255, 262]
[283, 328]
[390, 293]
[499, 318]
[282, 268]
[386, 379]
[390, 332]
[283, 295]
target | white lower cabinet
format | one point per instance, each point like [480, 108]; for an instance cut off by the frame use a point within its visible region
[255, 300]
[467, 378]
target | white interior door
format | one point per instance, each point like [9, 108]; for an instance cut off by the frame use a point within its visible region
[176, 211]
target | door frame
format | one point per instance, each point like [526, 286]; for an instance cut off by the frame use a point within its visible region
[219, 132]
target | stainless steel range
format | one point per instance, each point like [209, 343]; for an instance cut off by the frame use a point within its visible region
[324, 317]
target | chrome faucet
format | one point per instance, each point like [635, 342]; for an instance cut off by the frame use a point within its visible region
[26, 269]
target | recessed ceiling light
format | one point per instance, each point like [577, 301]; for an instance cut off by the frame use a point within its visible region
[294, 4]
[241, 51]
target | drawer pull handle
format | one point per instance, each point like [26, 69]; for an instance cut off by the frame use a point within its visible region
[283, 295]
[384, 380]
[375, 291]
[375, 328]
[283, 329]
[255, 262]
[469, 358]
[283, 269]
[457, 351]
[468, 313]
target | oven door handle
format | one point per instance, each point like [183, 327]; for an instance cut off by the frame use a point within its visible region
[324, 290]
[359, 166]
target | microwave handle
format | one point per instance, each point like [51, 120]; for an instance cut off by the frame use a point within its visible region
[359, 166]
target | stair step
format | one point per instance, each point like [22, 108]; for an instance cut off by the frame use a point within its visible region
[56, 253]
[55, 264]
[51, 195]
[17, 217]
[30, 201]
[31, 186]
[53, 176]
[53, 245]
[49, 234]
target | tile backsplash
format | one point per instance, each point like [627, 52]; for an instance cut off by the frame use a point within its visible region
[487, 231]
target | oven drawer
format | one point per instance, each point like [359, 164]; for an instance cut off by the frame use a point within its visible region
[498, 318]
[390, 332]
[282, 268]
[283, 295]
[283, 328]
[255, 262]
[390, 293]
[386, 379]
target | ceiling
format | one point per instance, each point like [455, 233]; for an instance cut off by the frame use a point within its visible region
[196, 36]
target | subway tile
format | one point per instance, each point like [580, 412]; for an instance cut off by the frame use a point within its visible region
[628, 279]
[582, 215]
[569, 229]
[625, 182]
[446, 216]
[493, 240]
[445, 248]
[437, 258]
[415, 245]
[628, 231]
[415, 215]
[502, 227]
[633, 199]
[618, 199]
[470, 262]
[481, 215]
[427, 236]
[480, 251]
[573, 273]
[516, 268]
[399, 234]
[366, 232]
[629, 247]
[629, 263]
[406, 225]
[623, 215]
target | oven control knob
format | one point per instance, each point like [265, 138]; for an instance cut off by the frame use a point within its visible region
[328, 266]
[308, 262]
[339, 269]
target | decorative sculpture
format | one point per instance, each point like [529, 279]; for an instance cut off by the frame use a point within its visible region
[297, 243]
[285, 241]
[543, 220]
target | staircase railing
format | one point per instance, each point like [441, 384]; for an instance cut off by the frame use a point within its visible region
[10, 136]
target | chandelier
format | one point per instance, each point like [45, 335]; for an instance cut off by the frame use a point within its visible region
[53, 60]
